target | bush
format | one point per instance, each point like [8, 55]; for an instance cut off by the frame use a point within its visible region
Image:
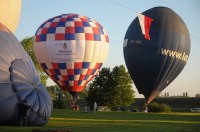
[155, 107]
[60, 104]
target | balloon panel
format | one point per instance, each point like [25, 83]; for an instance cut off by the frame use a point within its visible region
[153, 64]
[71, 49]
[10, 11]
[19, 81]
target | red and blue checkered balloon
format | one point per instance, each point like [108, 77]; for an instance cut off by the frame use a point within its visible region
[71, 49]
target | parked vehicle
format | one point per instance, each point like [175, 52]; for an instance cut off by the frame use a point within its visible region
[195, 109]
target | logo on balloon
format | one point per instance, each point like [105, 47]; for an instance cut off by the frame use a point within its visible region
[65, 51]
[64, 46]
[175, 54]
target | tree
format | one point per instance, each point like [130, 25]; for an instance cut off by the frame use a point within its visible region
[53, 91]
[57, 93]
[122, 83]
[83, 94]
[112, 88]
[100, 89]
[61, 99]
[197, 95]
[27, 43]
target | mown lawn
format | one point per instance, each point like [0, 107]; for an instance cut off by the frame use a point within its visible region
[76, 121]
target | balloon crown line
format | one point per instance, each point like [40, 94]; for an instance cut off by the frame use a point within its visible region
[72, 14]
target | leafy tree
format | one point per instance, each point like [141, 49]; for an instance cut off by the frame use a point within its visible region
[100, 89]
[122, 87]
[83, 94]
[61, 99]
[27, 43]
[112, 88]
[53, 91]
[197, 95]
[57, 93]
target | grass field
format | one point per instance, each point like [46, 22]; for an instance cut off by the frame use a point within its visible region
[76, 121]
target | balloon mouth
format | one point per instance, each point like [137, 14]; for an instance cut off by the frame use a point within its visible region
[73, 90]
[74, 95]
[151, 96]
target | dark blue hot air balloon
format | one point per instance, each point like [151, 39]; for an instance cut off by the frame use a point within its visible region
[156, 49]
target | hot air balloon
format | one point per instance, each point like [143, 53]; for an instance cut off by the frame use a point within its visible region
[156, 49]
[71, 49]
[20, 85]
[10, 11]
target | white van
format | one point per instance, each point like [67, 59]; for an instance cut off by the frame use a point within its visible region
[195, 109]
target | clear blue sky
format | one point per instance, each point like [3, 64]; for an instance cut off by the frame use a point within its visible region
[116, 19]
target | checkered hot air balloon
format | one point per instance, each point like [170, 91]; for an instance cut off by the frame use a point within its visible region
[71, 49]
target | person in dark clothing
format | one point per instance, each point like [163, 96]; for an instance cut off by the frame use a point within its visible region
[24, 110]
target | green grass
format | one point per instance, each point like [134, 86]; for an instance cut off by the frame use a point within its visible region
[116, 122]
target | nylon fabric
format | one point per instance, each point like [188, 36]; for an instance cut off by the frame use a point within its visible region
[19, 81]
[154, 64]
[71, 49]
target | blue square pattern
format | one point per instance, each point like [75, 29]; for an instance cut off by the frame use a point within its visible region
[57, 71]
[77, 71]
[70, 36]
[62, 66]
[51, 30]
[86, 77]
[70, 19]
[61, 24]
[71, 77]
[93, 71]
[86, 64]
[79, 82]
[43, 37]
[86, 24]
[79, 30]
[97, 37]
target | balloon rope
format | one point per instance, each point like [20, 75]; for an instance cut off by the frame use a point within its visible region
[123, 6]
[137, 12]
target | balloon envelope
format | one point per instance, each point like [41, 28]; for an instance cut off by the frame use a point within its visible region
[155, 62]
[71, 49]
[10, 11]
[19, 82]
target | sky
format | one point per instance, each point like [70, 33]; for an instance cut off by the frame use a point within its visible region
[116, 18]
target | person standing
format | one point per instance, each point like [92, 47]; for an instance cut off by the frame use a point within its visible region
[95, 107]
[24, 110]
